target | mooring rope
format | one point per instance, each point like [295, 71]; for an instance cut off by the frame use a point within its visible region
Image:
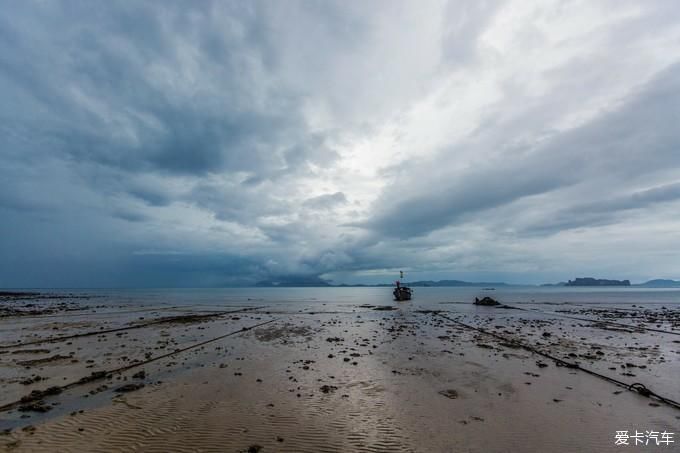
[167, 319]
[97, 375]
[621, 324]
[636, 387]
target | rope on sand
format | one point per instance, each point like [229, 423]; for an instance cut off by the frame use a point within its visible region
[603, 321]
[636, 387]
[37, 395]
[168, 319]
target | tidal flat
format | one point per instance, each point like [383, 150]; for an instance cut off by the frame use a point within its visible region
[336, 370]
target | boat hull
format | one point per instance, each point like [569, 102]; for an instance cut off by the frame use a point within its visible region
[402, 293]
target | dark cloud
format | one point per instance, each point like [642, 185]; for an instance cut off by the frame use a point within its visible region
[639, 137]
[144, 91]
[479, 189]
[150, 195]
[130, 216]
[326, 201]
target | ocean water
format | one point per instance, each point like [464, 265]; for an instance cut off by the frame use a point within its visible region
[427, 297]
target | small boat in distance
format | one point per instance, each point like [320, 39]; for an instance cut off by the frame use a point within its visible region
[401, 292]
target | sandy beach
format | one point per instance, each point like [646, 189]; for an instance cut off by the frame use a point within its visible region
[315, 375]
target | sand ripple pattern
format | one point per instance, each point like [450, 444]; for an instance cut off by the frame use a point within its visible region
[196, 423]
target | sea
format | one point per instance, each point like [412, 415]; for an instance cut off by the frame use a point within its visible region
[609, 297]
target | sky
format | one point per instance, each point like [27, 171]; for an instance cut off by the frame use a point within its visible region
[218, 143]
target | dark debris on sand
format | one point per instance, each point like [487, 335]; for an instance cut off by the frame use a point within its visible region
[35, 406]
[129, 388]
[449, 393]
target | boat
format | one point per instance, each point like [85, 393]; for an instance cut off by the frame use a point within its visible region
[402, 293]
[486, 301]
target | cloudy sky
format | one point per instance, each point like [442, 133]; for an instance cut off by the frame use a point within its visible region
[219, 143]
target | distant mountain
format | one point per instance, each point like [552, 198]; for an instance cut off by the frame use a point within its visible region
[589, 281]
[449, 283]
[316, 282]
[660, 283]
[292, 282]
[444, 283]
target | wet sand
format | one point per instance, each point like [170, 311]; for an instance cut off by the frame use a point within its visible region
[315, 376]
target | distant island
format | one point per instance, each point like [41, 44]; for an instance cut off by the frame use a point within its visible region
[448, 283]
[660, 283]
[320, 283]
[589, 281]
[317, 282]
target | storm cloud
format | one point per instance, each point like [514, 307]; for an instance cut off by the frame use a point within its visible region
[225, 143]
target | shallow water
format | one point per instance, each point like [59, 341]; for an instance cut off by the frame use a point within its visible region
[619, 296]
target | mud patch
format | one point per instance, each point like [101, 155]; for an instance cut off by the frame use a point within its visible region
[284, 333]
